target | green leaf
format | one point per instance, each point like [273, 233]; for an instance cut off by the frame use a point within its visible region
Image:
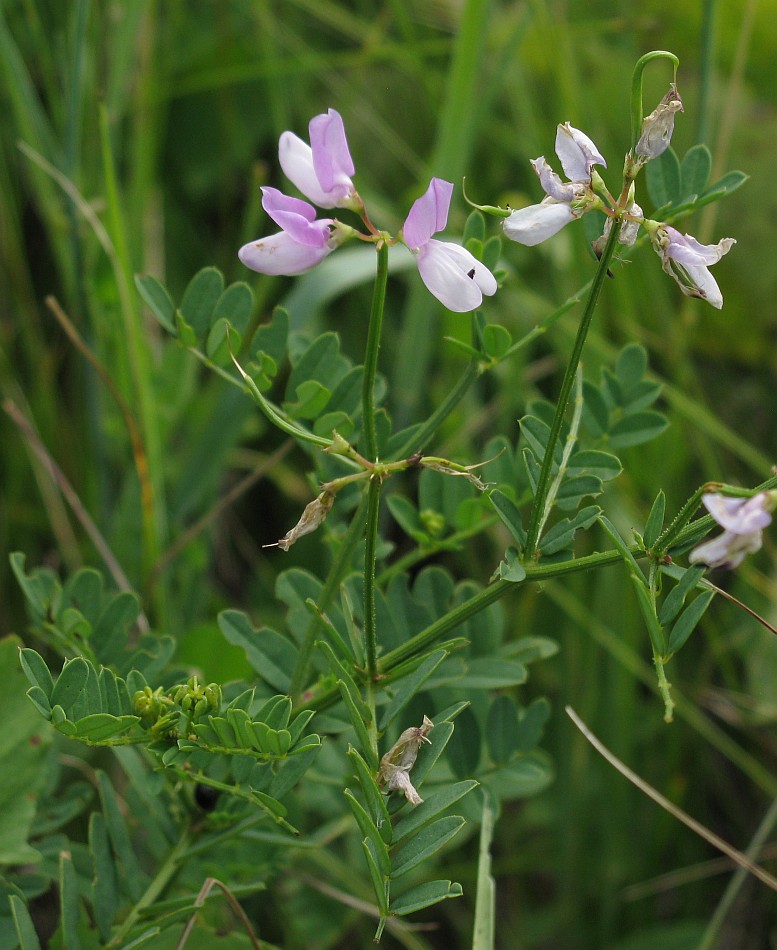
[219, 340]
[511, 569]
[378, 880]
[99, 727]
[596, 416]
[562, 534]
[311, 399]
[509, 515]
[40, 588]
[430, 808]
[531, 724]
[133, 879]
[405, 513]
[24, 748]
[158, 301]
[688, 619]
[497, 340]
[463, 752]
[574, 490]
[270, 654]
[36, 670]
[536, 433]
[663, 179]
[105, 897]
[109, 634]
[371, 833]
[272, 338]
[675, 599]
[321, 361]
[353, 705]
[695, 171]
[424, 844]
[374, 799]
[631, 365]
[502, 729]
[655, 522]
[69, 902]
[200, 298]
[409, 686]
[25, 929]
[647, 607]
[235, 305]
[603, 465]
[424, 895]
[636, 428]
[70, 689]
[492, 672]
[725, 186]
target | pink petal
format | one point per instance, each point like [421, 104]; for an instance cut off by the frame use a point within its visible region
[331, 159]
[280, 255]
[429, 214]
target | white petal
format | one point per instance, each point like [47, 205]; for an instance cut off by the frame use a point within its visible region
[440, 267]
[280, 255]
[535, 224]
[296, 160]
[577, 153]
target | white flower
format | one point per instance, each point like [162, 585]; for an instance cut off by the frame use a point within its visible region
[743, 520]
[565, 201]
[687, 261]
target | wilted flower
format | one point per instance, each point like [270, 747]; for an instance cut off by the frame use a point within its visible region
[657, 128]
[456, 278]
[743, 520]
[686, 260]
[314, 514]
[395, 766]
[322, 170]
[565, 201]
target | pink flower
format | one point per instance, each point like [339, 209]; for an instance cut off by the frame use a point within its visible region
[322, 170]
[743, 520]
[687, 261]
[456, 278]
[304, 241]
[565, 201]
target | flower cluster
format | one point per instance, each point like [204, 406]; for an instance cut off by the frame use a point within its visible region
[322, 171]
[682, 256]
[743, 520]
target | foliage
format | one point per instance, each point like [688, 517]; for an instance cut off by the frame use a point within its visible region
[322, 545]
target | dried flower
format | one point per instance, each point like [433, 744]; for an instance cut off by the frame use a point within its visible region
[313, 515]
[657, 128]
[395, 766]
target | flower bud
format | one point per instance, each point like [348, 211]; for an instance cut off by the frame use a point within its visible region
[657, 128]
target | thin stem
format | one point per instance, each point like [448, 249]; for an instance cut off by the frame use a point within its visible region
[371, 356]
[166, 873]
[370, 557]
[543, 483]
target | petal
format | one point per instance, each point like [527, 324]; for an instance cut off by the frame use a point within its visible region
[331, 158]
[685, 249]
[705, 285]
[535, 224]
[738, 515]
[296, 160]
[550, 181]
[727, 550]
[296, 217]
[453, 276]
[577, 153]
[280, 255]
[429, 214]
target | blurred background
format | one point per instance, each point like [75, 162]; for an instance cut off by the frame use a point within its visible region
[135, 136]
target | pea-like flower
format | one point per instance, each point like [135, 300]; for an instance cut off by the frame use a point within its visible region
[687, 261]
[456, 278]
[322, 170]
[304, 241]
[565, 201]
[743, 520]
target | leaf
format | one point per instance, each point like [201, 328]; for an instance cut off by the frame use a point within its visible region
[25, 929]
[492, 672]
[424, 895]
[502, 729]
[321, 361]
[496, 340]
[378, 881]
[105, 897]
[531, 724]
[562, 534]
[36, 670]
[596, 416]
[371, 833]
[676, 597]
[603, 465]
[695, 171]
[509, 515]
[631, 365]
[70, 690]
[423, 845]
[637, 428]
[536, 433]
[405, 513]
[133, 879]
[688, 620]
[99, 727]
[463, 753]
[270, 654]
[158, 301]
[40, 588]
[235, 305]
[69, 902]
[352, 705]
[200, 298]
[574, 490]
[409, 686]
[725, 186]
[24, 748]
[655, 522]
[511, 569]
[434, 805]
[663, 179]
[271, 338]
[311, 399]
[374, 799]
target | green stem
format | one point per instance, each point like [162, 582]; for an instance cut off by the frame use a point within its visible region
[636, 89]
[546, 472]
[370, 557]
[371, 356]
[166, 872]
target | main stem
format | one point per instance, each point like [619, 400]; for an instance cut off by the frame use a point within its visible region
[544, 481]
[371, 453]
